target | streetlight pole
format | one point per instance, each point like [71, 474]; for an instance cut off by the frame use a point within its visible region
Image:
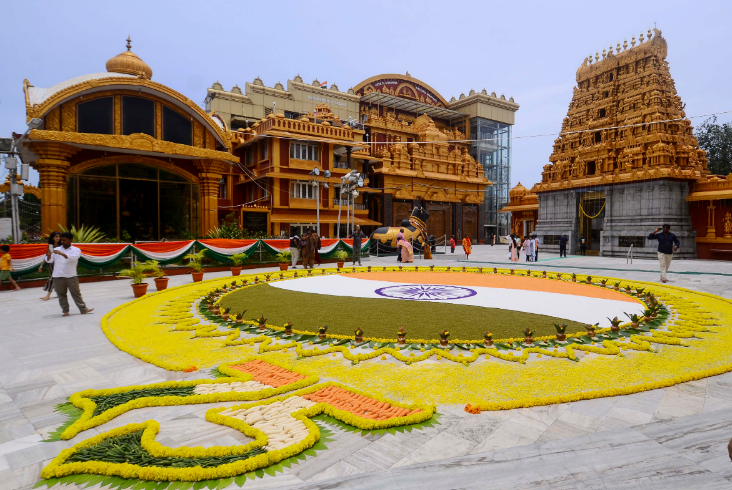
[314, 180]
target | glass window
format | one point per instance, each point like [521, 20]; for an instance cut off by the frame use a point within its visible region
[175, 210]
[137, 171]
[98, 203]
[302, 189]
[138, 116]
[223, 189]
[177, 128]
[103, 171]
[95, 116]
[170, 176]
[304, 151]
[265, 151]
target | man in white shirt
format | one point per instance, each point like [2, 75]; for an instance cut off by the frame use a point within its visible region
[64, 260]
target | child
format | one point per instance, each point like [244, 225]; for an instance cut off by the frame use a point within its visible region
[6, 265]
[452, 244]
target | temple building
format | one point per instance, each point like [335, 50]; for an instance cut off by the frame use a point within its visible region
[626, 160]
[406, 140]
[523, 208]
[129, 155]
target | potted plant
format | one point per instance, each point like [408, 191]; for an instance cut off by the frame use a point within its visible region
[559, 276]
[400, 267]
[137, 273]
[561, 331]
[161, 282]
[480, 270]
[262, 322]
[237, 259]
[368, 268]
[443, 338]
[321, 331]
[543, 274]
[528, 272]
[603, 283]
[267, 277]
[243, 282]
[488, 339]
[591, 329]
[401, 336]
[639, 292]
[647, 315]
[216, 310]
[495, 270]
[588, 279]
[416, 268]
[225, 313]
[196, 264]
[359, 334]
[288, 329]
[448, 268]
[341, 256]
[574, 277]
[614, 324]
[284, 258]
[233, 285]
[240, 317]
[634, 320]
[511, 271]
[528, 336]
[616, 286]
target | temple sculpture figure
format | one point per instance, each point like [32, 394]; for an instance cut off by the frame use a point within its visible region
[415, 231]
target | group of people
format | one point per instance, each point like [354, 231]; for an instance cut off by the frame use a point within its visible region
[467, 246]
[62, 257]
[529, 245]
[305, 246]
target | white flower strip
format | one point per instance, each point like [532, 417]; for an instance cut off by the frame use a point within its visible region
[276, 421]
[227, 387]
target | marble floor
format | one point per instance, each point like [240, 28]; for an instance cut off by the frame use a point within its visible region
[670, 438]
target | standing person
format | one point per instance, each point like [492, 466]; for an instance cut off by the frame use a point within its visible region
[6, 266]
[452, 244]
[467, 249]
[493, 239]
[64, 260]
[312, 244]
[583, 245]
[358, 235]
[427, 250]
[667, 245]
[406, 253]
[525, 248]
[512, 249]
[563, 246]
[295, 249]
[54, 240]
[536, 248]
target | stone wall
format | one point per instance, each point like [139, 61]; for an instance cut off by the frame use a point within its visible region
[558, 216]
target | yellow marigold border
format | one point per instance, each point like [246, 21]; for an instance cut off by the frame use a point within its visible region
[57, 469]
[87, 420]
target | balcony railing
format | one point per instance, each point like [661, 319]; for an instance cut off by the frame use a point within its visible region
[344, 202]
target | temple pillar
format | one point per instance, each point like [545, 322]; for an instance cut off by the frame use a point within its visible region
[210, 172]
[52, 165]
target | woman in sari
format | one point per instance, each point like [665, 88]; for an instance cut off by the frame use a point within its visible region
[512, 249]
[405, 248]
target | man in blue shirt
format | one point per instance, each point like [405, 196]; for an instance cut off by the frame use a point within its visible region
[667, 245]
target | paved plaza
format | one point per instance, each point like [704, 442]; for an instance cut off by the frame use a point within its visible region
[670, 438]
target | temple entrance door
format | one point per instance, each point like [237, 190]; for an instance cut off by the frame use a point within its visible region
[440, 221]
[528, 227]
[591, 219]
[401, 210]
[470, 223]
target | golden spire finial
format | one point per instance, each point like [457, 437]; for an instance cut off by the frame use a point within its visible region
[590, 58]
[632, 42]
[597, 55]
[604, 53]
[649, 34]
[610, 51]
[641, 38]
[617, 49]
[625, 44]
[129, 43]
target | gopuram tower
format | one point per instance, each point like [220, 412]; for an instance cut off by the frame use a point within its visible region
[625, 159]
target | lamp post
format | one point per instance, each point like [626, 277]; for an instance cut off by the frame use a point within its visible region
[8, 146]
[314, 173]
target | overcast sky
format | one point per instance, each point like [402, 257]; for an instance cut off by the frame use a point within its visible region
[528, 50]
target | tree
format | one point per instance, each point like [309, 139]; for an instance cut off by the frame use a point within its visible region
[716, 140]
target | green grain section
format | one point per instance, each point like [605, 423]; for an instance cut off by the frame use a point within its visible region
[381, 318]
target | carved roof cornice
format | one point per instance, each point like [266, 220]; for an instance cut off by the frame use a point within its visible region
[484, 99]
[135, 142]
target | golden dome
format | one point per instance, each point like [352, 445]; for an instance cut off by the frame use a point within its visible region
[129, 63]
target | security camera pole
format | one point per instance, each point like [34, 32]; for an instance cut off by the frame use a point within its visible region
[8, 146]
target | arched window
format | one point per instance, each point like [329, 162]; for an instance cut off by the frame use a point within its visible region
[138, 115]
[95, 116]
[176, 127]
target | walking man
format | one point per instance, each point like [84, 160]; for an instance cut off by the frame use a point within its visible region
[64, 260]
[452, 244]
[358, 235]
[295, 249]
[667, 245]
[583, 245]
[563, 246]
